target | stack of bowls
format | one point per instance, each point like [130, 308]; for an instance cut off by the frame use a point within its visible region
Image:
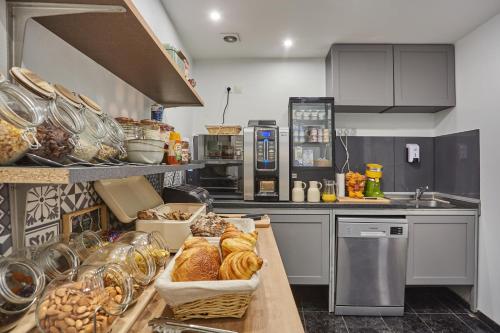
[147, 151]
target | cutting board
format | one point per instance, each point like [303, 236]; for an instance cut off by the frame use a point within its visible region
[265, 222]
[364, 201]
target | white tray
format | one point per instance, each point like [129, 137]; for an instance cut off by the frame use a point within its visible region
[174, 232]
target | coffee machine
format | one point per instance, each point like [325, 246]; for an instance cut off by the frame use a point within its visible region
[266, 161]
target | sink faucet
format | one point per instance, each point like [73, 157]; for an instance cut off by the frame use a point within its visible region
[420, 191]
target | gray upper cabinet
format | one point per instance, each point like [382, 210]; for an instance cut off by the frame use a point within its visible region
[391, 78]
[424, 78]
[360, 77]
[441, 250]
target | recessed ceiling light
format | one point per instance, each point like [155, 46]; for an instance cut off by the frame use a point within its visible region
[288, 43]
[215, 16]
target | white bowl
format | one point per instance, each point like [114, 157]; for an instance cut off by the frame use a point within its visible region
[147, 157]
[145, 145]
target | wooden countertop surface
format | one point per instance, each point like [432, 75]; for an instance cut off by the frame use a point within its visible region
[272, 308]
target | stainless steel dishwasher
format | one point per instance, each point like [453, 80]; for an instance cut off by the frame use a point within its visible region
[371, 266]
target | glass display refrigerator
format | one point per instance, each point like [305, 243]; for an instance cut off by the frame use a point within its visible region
[312, 134]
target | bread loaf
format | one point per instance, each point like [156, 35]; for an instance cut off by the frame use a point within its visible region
[240, 266]
[198, 263]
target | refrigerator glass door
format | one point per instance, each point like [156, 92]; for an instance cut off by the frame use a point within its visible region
[312, 134]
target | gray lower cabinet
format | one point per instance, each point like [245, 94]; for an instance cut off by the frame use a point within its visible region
[303, 241]
[441, 250]
[360, 77]
[424, 78]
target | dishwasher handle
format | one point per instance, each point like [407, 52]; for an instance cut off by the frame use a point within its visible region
[373, 234]
[372, 230]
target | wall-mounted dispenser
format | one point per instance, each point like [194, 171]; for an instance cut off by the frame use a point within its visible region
[413, 153]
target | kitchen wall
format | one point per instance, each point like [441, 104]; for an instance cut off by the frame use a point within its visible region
[477, 58]
[266, 85]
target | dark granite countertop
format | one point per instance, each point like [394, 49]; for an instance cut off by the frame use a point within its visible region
[395, 204]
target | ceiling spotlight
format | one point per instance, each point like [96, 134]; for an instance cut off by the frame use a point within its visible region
[288, 43]
[215, 15]
[231, 37]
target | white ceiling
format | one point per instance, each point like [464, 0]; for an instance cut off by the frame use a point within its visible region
[315, 24]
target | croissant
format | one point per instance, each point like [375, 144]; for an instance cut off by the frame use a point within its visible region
[231, 231]
[195, 242]
[200, 263]
[237, 244]
[240, 266]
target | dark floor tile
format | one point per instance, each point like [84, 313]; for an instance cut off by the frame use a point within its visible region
[475, 323]
[425, 301]
[323, 321]
[445, 323]
[369, 330]
[455, 305]
[312, 298]
[409, 309]
[301, 315]
[409, 323]
[362, 323]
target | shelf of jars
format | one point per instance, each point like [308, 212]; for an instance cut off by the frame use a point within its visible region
[72, 175]
[113, 34]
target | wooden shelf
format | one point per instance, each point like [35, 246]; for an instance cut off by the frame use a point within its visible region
[47, 175]
[124, 44]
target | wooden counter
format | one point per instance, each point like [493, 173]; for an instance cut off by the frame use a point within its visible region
[272, 308]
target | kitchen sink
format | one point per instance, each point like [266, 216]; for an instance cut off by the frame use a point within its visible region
[429, 203]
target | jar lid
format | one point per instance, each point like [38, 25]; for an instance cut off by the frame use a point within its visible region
[91, 104]
[33, 82]
[67, 95]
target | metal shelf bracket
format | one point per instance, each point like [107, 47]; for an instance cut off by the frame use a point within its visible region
[19, 13]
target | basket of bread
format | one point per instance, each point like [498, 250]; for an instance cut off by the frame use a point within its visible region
[212, 277]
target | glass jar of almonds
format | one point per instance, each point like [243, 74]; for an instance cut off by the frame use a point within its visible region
[82, 302]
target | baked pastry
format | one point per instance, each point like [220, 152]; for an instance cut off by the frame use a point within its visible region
[199, 263]
[195, 242]
[237, 244]
[231, 231]
[210, 225]
[240, 266]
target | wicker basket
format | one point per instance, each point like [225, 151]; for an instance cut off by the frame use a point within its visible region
[206, 299]
[223, 306]
[223, 129]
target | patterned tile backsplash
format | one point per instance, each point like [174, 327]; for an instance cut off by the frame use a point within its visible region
[45, 206]
[5, 229]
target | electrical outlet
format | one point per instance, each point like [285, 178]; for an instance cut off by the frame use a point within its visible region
[235, 89]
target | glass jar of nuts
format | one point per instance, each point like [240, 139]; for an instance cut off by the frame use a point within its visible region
[19, 116]
[21, 284]
[114, 141]
[135, 260]
[153, 242]
[91, 137]
[82, 303]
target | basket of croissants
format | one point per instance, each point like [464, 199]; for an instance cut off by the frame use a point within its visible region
[212, 278]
